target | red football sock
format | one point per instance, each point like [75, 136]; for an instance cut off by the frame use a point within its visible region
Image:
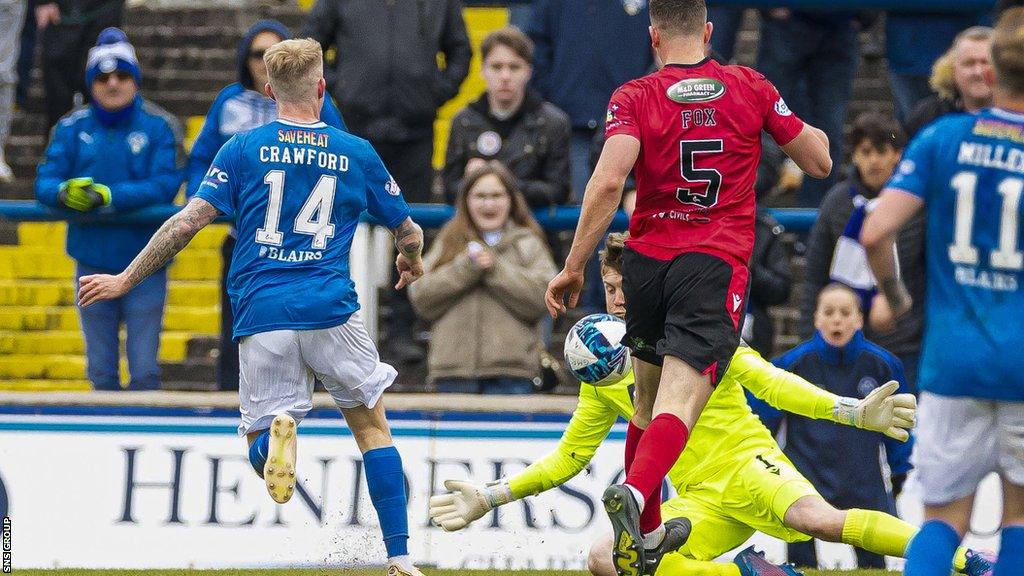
[633, 435]
[658, 450]
[650, 516]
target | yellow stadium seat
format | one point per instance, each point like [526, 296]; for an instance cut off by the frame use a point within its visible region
[41, 346]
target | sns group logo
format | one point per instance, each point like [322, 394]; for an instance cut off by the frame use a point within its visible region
[4, 507]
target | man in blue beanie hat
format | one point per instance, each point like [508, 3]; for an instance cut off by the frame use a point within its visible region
[240, 107]
[117, 154]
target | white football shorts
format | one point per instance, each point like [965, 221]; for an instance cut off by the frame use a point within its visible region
[277, 371]
[959, 441]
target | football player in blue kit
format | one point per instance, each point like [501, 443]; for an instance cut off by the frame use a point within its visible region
[296, 188]
[967, 171]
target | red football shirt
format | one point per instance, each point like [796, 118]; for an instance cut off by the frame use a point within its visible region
[699, 128]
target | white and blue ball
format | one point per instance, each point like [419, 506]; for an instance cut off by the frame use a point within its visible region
[595, 352]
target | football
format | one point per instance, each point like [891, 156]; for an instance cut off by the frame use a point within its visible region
[594, 351]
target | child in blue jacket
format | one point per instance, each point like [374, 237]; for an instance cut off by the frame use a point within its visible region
[843, 463]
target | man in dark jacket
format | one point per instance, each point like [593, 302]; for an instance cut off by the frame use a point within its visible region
[585, 50]
[812, 57]
[914, 41]
[388, 82]
[120, 153]
[835, 255]
[387, 79]
[770, 282]
[67, 29]
[510, 123]
[959, 80]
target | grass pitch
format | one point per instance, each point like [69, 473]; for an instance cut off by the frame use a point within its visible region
[353, 572]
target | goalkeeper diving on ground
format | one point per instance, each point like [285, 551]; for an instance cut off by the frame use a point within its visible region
[732, 479]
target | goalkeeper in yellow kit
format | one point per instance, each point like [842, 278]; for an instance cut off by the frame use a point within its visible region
[732, 478]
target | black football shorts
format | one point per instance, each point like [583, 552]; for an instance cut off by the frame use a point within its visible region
[690, 307]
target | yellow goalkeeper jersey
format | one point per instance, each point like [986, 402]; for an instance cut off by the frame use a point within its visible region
[726, 431]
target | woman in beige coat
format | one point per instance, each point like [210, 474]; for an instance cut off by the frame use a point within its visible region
[483, 290]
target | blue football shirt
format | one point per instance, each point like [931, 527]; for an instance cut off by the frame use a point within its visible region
[296, 192]
[969, 170]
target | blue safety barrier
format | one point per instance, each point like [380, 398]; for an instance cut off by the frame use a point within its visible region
[427, 215]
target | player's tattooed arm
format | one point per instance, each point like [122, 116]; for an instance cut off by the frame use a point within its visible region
[174, 235]
[170, 239]
[409, 263]
[409, 238]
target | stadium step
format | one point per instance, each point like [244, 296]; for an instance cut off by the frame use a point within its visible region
[199, 320]
[44, 385]
[174, 345]
[62, 293]
[29, 264]
[51, 235]
[50, 366]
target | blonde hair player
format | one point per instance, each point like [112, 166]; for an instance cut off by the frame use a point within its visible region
[296, 188]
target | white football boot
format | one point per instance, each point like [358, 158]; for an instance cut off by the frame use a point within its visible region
[394, 569]
[279, 471]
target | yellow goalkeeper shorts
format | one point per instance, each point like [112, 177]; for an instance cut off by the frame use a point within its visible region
[726, 509]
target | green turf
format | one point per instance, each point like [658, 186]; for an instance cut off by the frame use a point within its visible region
[345, 572]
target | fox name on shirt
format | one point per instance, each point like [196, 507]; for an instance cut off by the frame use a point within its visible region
[301, 155]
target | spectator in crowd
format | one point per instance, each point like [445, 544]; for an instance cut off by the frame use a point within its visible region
[727, 21]
[240, 107]
[840, 461]
[483, 290]
[959, 79]
[834, 253]
[26, 57]
[770, 282]
[914, 41]
[511, 123]
[812, 58]
[118, 154]
[387, 78]
[67, 30]
[771, 279]
[584, 51]
[388, 82]
[12, 14]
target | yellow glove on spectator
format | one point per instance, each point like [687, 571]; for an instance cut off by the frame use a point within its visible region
[83, 194]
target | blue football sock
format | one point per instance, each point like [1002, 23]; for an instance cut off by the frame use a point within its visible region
[258, 452]
[1011, 552]
[386, 485]
[931, 551]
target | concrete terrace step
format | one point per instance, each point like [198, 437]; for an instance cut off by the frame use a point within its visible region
[55, 366]
[197, 320]
[45, 385]
[50, 234]
[62, 293]
[36, 264]
[174, 345]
